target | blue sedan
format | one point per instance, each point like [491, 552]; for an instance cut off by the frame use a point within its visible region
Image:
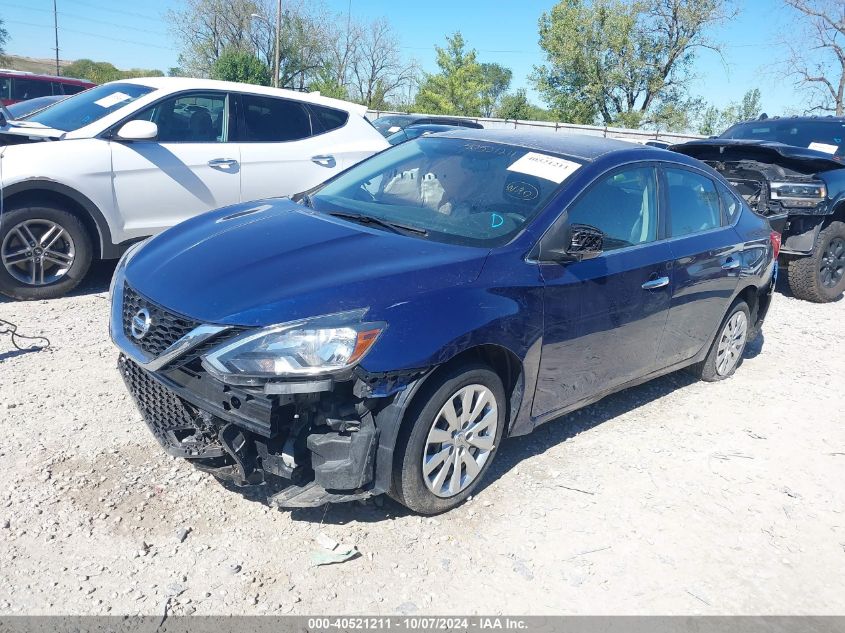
[384, 332]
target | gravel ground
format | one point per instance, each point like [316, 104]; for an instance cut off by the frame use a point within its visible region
[675, 497]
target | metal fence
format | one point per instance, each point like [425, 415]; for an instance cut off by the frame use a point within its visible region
[567, 128]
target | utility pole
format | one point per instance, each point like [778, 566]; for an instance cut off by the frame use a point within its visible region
[278, 43]
[56, 30]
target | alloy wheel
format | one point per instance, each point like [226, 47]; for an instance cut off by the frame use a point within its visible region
[731, 343]
[37, 252]
[832, 266]
[460, 440]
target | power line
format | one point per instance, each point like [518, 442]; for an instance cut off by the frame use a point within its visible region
[102, 37]
[80, 17]
[131, 14]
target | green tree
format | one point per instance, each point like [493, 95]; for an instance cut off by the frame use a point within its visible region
[240, 66]
[715, 121]
[617, 61]
[497, 79]
[4, 37]
[517, 106]
[327, 84]
[102, 72]
[459, 86]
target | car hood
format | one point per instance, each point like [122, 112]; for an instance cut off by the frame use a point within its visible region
[731, 149]
[274, 261]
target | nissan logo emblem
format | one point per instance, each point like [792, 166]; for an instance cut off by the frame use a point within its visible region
[141, 323]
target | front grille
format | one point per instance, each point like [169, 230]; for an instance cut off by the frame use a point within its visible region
[165, 327]
[179, 427]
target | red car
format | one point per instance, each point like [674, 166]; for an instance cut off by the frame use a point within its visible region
[17, 86]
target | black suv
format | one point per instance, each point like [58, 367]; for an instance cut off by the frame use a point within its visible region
[791, 170]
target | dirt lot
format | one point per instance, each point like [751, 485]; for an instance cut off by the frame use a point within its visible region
[673, 497]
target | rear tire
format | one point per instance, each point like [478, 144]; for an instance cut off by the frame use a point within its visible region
[820, 277]
[725, 355]
[450, 424]
[44, 252]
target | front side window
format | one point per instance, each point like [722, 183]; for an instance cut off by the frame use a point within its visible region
[693, 203]
[273, 120]
[89, 106]
[5, 88]
[623, 206]
[71, 89]
[453, 190]
[23, 89]
[192, 118]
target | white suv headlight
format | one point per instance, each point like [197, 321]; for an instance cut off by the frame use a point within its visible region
[310, 347]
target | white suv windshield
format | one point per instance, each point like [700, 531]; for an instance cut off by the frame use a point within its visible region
[86, 107]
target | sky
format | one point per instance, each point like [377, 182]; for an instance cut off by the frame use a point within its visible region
[133, 34]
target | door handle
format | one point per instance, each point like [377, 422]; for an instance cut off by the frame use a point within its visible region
[657, 282]
[731, 264]
[324, 160]
[222, 163]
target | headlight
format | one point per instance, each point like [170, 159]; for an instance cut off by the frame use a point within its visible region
[808, 191]
[318, 346]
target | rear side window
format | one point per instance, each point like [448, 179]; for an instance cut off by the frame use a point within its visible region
[693, 203]
[328, 119]
[5, 88]
[23, 89]
[269, 120]
[730, 205]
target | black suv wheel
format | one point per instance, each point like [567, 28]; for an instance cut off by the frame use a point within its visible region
[821, 276]
[44, 252]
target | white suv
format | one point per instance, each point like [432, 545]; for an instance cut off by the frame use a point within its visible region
[88, 176]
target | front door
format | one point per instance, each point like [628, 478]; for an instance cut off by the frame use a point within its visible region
[604, 317]
[188, 169]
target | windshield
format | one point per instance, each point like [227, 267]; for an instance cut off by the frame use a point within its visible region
[24, 108]
[824, 136]
[458, 191]
[390, 124]
[89, 106]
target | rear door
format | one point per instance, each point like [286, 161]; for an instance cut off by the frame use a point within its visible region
[604, 317]
[284, 146]
[707, 262]
[190, 168]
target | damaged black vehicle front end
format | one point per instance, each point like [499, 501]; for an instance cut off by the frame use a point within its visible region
[791, 171]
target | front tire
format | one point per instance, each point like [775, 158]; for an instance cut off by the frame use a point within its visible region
[44, 252]
[820, 277]
[726, 351]
[449, 439]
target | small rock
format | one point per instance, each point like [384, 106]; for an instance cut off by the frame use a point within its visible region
[234, 568]
[182, 534]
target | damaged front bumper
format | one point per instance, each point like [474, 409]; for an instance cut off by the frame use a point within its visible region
[323, 443]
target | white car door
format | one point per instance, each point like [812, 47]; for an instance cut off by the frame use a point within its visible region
[284, 148]
[191, 166]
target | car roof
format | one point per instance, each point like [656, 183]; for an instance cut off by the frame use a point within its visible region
[795, 119]
[25, 74]
[175, 84]
[581, 146]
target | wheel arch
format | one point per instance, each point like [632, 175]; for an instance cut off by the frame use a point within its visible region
[50, 192]
[503, 361]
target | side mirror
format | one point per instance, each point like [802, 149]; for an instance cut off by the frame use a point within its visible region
[137, 131]
[583, 242]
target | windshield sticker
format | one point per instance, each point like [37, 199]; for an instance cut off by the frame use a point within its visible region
[393, 129]
[112, 100]
[522, 191]
[823, 147]
[545, 166]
